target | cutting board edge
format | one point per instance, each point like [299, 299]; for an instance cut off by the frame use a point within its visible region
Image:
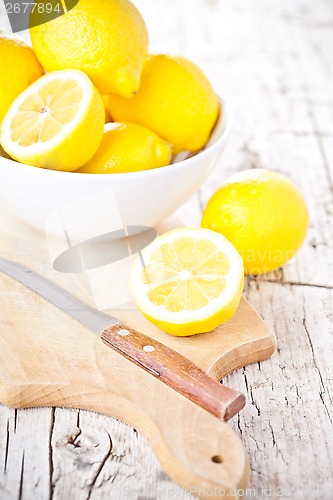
[259, 350]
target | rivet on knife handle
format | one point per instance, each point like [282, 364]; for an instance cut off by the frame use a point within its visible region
[175, 371]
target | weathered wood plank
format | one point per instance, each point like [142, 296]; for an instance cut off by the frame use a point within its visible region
[288, 423]
[99, 457]
[24, 453]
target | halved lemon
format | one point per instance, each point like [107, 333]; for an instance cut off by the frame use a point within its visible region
[188, 281]
[56, 123]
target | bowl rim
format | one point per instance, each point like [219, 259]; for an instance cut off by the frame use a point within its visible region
[227, 119]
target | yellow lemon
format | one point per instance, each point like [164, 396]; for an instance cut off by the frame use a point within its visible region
[56, 123]
[191, 282]
[19, 68]
[107, 39]
[263, 214]
[127, 147]
[105, 100]
[175, 100]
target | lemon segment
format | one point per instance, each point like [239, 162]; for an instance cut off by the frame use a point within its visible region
[56, 123]
[191, 281]
[19, 69]
[127, 147]
[263, 214]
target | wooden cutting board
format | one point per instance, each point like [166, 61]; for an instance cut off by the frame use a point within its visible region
[48, 359]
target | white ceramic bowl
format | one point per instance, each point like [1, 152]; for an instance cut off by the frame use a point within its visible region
[141, 198]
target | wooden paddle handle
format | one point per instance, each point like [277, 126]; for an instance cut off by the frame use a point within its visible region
[174, 370]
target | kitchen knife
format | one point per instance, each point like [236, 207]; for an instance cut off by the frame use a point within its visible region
[162, 362]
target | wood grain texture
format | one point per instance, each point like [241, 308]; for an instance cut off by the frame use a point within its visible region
[272, 61]
[48, 359]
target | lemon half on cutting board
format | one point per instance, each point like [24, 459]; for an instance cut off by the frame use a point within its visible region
[56, 123]
[188, 281]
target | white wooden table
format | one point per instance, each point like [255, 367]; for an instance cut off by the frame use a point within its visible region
[272, 60]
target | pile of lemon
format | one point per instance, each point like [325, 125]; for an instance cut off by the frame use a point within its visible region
[88, 97]
[98, 70]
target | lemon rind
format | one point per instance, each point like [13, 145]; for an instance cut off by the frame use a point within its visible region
[215, 306]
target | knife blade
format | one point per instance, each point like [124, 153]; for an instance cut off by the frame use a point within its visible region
[162, 362]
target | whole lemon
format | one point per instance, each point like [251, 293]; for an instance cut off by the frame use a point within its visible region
[263, 214]
[19, 68]
[107, 39]
[175, 100]
[105, 99]
[127, 147]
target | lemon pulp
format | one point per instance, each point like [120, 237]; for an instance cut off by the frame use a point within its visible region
[43, 115]
[192, 277]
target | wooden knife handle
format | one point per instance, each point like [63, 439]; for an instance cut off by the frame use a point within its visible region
[174, 370]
